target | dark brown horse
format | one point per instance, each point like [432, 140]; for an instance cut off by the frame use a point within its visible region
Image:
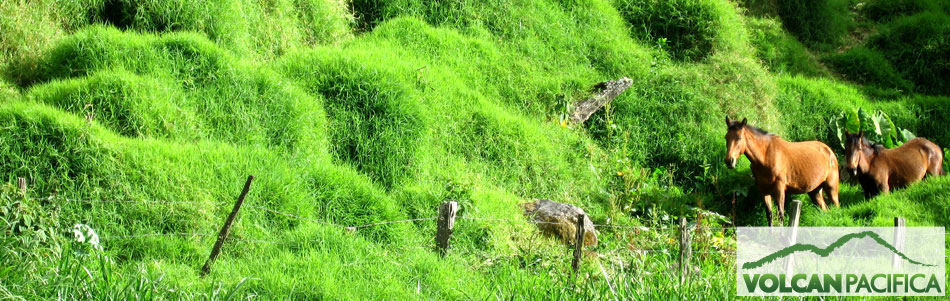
[782, 167]
[880, 169]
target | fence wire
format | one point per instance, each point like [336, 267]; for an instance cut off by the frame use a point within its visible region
[155, 235]
[293, 216]
[165, 202]
[352, 228]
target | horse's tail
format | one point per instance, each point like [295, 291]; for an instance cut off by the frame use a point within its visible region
[943, 155]
[832, 163]
[832, 159]
[935, 160]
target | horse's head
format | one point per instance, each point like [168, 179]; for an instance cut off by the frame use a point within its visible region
[856, 148]
[735, 141]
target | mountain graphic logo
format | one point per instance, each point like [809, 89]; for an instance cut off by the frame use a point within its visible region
[825, 252]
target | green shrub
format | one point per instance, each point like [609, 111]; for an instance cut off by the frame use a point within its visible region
[689, 29]
[781, 52]
[919, 47]
[877, 127]
[817, 23]
[868, 67]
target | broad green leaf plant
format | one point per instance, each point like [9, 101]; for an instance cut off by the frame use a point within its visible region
[877, 127]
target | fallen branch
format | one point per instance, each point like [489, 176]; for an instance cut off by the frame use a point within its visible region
[607, 91]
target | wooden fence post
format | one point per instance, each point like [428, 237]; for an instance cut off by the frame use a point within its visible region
[734, 222]
[686, 251]
[578, 242]
[226, 229]
[446, 223]
[21, 183]
[899, 233]
[795, 212]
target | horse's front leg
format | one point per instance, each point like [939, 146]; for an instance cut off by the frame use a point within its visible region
[780, 198]
[882, 185]
[768, 205]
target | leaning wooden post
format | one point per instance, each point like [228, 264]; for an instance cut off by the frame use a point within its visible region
[21, 183]
[795, 212]
[446, 224]
[686, 251]
[226, 229]
[899, 233]
[578, 242]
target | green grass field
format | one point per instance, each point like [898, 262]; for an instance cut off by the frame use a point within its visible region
[142, 119]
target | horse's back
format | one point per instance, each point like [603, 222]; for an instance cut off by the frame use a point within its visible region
[924, 153]
[810, 163]
[813, 153]
[908, 163]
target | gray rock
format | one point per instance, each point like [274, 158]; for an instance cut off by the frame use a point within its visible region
[559, 219]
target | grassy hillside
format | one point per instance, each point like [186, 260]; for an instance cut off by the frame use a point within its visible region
[141, 119]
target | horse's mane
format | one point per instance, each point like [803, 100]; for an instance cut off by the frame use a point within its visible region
[876, 147]
[738, 125]
[758, 131]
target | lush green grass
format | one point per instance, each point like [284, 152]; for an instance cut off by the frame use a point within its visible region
[918, 47]
[868, 67]
[780, 51]
[688, 29]
[818, 23]
[924, 204]
[251, 29]
[886, 10]
[374, 111]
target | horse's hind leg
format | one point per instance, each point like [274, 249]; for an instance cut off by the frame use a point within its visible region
[832, 190]
[935, 166]
[830, 186]
[818, 198]
[781, 204]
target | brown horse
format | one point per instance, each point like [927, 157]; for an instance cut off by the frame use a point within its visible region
[880, 169]
[782, 167]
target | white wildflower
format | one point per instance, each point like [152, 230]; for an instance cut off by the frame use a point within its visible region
[85, 234]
